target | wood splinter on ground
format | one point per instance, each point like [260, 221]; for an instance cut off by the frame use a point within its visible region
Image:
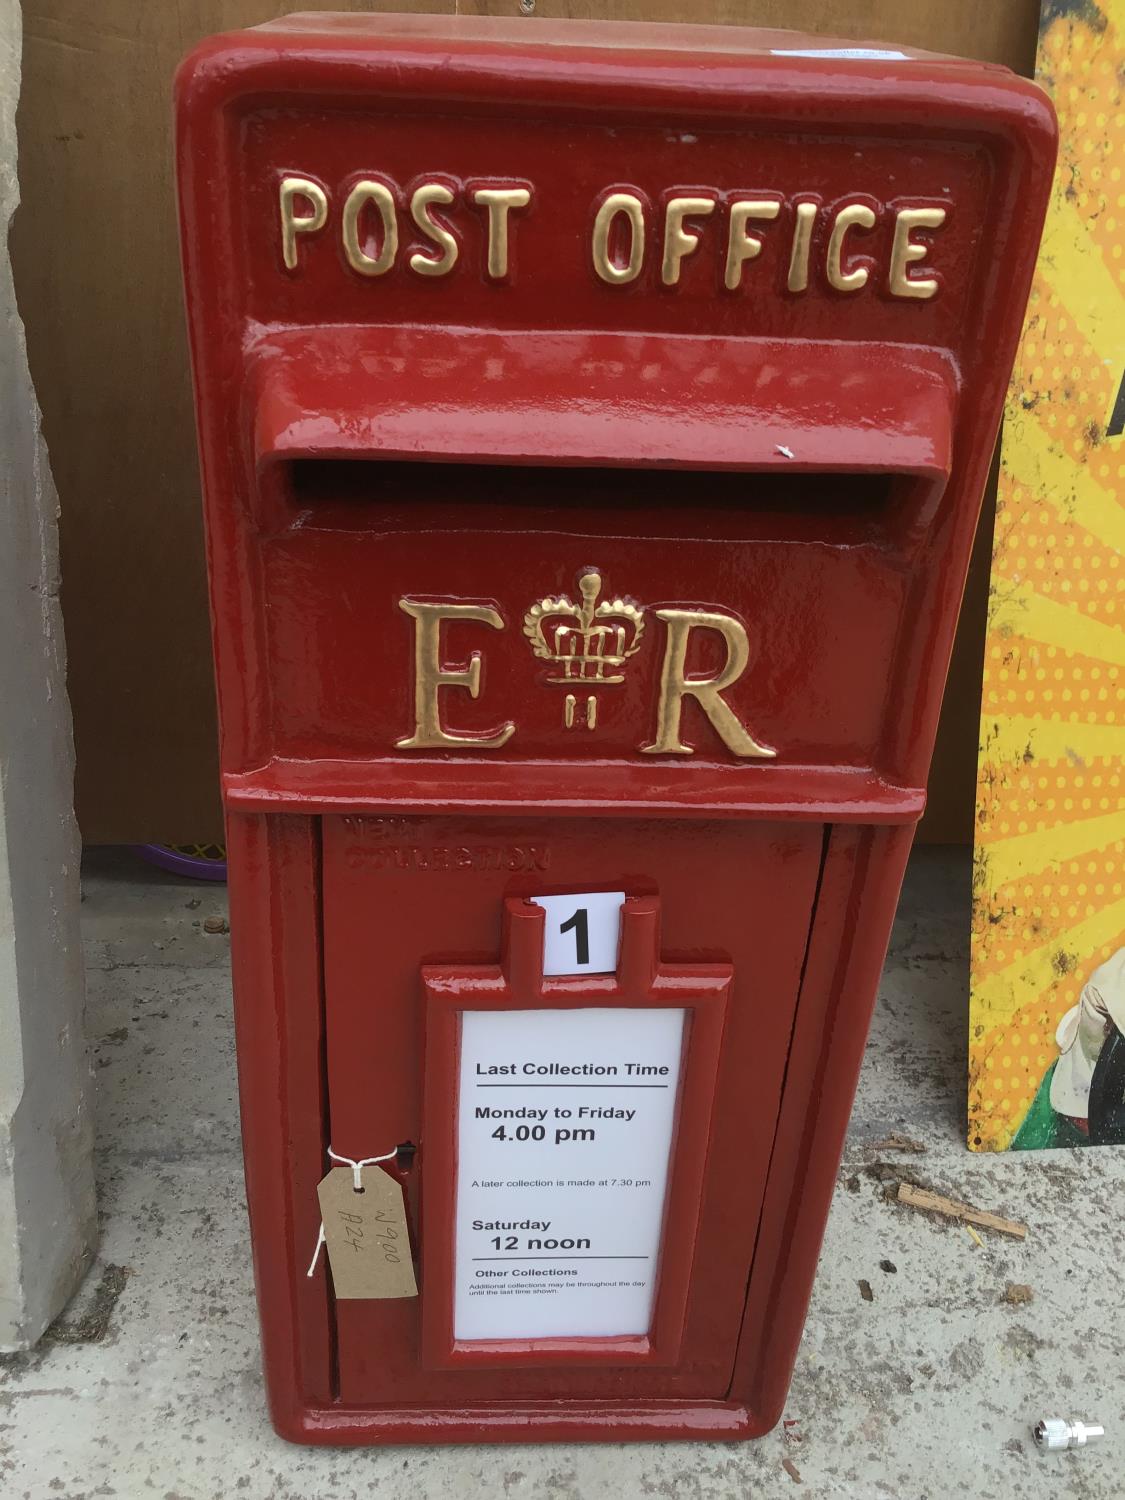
[917, 1197]
[897, 1142]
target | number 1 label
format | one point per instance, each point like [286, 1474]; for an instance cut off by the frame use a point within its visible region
[579, 924]
[583, 932]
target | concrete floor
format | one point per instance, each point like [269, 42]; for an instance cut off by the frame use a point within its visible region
[149, 1386]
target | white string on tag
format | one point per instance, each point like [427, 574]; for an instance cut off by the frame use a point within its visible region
[358, 1166]
[357, 1183]
[316, 1252]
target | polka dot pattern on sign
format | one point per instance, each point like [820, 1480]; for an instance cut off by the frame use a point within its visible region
[1086, 76]
[1033, 677]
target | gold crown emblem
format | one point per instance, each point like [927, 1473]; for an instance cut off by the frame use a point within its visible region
[588, 643]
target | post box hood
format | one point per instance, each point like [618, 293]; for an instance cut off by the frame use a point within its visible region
[554, 396]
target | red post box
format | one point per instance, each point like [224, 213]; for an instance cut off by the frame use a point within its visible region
[593, 422]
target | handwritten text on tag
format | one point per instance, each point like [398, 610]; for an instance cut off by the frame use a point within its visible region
[366, 1234]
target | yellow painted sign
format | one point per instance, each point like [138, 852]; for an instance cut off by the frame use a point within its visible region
[1047, 1055]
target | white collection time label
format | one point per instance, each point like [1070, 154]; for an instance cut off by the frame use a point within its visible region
[565, 1124]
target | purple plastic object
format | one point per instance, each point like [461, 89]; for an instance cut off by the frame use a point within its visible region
[178, 862]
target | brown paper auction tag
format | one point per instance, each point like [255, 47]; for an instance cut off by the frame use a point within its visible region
[366, 1235]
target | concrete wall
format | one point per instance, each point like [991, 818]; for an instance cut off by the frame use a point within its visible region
[47, 1219]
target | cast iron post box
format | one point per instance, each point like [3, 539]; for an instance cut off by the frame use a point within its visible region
[593, 422]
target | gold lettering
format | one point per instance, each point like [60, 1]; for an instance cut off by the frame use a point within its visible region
[629, 205]
[799, 255]
[742, 246]
[675, 685]
[499, 202]
[429, 265]
[678, 241]
[361, 195]
[430, 676]
[904, 252]
[293, 223]
[859, 216]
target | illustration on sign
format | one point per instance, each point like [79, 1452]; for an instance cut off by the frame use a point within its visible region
[1047, 1047]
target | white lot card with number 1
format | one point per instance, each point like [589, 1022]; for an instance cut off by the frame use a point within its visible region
[582, 932]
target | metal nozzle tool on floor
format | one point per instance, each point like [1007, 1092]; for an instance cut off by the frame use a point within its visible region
[1053, 1434]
